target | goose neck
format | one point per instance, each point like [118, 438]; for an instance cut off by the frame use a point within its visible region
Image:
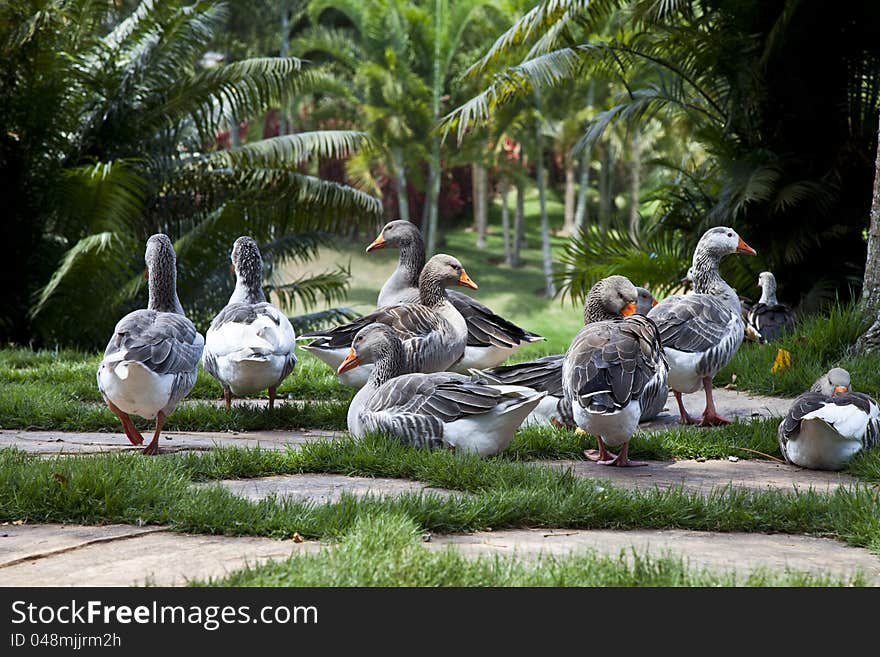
[162, 285]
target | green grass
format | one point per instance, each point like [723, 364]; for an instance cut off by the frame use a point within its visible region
[819, 343]
[386, 550]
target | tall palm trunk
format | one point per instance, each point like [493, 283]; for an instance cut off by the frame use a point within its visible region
[433, 196]
[505, 220]
[870, 341]
[283, 52]
[549, 287]
[582, 212]
[605, 187]
[635, 170]
[568, 227]
[518, 222]
[479, 183]
[434, 163]
[400, 168]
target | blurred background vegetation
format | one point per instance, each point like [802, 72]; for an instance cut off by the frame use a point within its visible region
[557, 141]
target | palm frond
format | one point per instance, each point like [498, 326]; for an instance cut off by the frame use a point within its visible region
[330, 286]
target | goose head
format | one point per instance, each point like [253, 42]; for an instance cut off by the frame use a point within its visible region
[611, 298]
[833, 381]
[645, 301]
[160, 253]
[721, 241]
[375, 343]
[396, 234]
[445, 270]
[246, 258]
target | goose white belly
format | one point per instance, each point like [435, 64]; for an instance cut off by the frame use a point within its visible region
[683, 370]
[483, 357]
[820, 446]
[250, 374]
[614, 428]
[134, 388]
[545, 412]
[354, 378]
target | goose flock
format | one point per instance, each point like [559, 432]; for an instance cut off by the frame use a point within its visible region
[428, 362]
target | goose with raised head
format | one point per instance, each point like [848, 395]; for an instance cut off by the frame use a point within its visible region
[433, 332]
[768, 318]
[545, 375]
[491, 338]
[151, 361]
[250, 344]
[701, 332]
[442, 409]
[828, 425]
[608, 367]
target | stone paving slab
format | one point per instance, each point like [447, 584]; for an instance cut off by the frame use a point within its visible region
[733, 404]
[720, 552]
[324, 488]
[57, 442]
[99, 556]
[704, 476]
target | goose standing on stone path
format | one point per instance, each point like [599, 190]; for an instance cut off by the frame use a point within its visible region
[545, 375]
[828, 425]
[769, 318]
[608, 367]
[702, 331]
[250, 344]
[433, 332]
[443, 409]
[491, 338]
[151, 361]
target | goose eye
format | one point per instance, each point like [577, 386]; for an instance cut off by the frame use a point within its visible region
[730, 234]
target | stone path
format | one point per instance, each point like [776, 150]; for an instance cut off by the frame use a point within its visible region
[704, 476]
[56, 442]
[119, 555]
[735, 405]
[324, 488]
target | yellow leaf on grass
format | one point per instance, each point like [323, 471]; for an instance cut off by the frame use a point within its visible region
[782, 362]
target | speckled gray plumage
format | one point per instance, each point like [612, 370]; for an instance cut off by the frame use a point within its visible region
[161, 264]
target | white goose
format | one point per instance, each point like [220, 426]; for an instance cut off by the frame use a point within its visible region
[545, 374]
[151, 361]
[828, 425]
[250, 344]
[491, 338]
[702, 331]
[443, 409]
[608, 367]
[434, 333]
[768, 318]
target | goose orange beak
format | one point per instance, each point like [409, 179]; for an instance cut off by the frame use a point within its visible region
[653, 302]
[466, 281]
[744, 248]
[841, 389]
[232, 269]
[146, 273]
[378, 243]
[351, 361]
[629, 309]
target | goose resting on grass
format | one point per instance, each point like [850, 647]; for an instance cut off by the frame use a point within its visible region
[702, 331]
[151, 361]
[608, 367]
[250, 344]
[433, 332]
[443, 409]
[491, 338]
[768, 318]
[828, 425]
[545, 374]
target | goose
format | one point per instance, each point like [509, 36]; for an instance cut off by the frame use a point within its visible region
[442, 409]
[151, 361]
[545, 374]
[827, 426]
[250, 344]
[491, 338]
[434, 333]
[607, 369]
[702, 331]
[768, 318]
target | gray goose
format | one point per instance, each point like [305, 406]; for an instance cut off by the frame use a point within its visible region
[545, 375]
[768, 318]
[151, 361]
[434, 333]
[827, 426]
[702, 331]
[607, 368]
[250, 344]
[443, 409]
[491, 338]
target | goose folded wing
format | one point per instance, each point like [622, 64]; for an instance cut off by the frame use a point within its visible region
[543, 375]
[245, 313]
[485, 328]
[692, 323]
[166, 343]
[409, 320]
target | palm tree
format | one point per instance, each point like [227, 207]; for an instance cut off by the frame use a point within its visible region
[110, 128]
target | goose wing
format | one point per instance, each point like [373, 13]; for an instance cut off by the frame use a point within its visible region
[408, 319]
[771, 321]
[543, 374]
[165, 343]
[257, 329]
[692, 322]
[485, 327]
